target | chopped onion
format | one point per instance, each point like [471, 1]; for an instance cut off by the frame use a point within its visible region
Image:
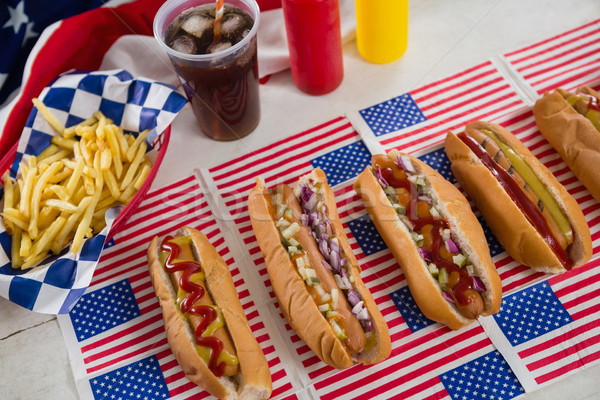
[380, 178]
[448, 297]
[334, 259]
[363, 314]
[424, 254]
[478, 284]
[425, 198]
[312, 218]
[451, 247]
[346, 282]
[367, 325]
[405, 163]
[353, 297]
[339, 282]
[334, 298]
[323, 248]
[358, 307]
[304, 218]
[334, 244]
[326, 264]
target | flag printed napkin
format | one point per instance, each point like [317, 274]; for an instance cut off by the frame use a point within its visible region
[115, 334]
[568, 60]
[421, 118]
[135, 104]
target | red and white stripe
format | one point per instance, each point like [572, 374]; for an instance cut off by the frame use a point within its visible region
[162, 212]
[568, 60]
[480, 92]
[566, 350]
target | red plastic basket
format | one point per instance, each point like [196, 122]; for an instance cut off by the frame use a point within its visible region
[161, 147]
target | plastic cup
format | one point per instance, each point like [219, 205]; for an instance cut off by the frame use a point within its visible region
[223, 86]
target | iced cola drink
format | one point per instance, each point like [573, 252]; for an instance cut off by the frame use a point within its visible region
[218, 74]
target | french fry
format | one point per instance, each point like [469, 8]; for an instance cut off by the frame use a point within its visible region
[111, 182]
[123, 144]
[141, 151]
[15, 217]
[44, 243]
[47, 152]
[25, 201]
[61, 205]
[59, 155]
[114, 149]
[25, 246]
[67, 229]
[139, 181]
[16, 259]
[84, 224]
[51, 119]
[36, 197]
[69, 132]
[131, 153]
[61, 141]
[9, 191]
[105, 159]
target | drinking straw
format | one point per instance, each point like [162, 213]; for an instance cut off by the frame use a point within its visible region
[218, 17]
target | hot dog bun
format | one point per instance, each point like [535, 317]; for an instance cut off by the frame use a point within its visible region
[572, 135]
[466, 231]
[253, 381]
[512, 228]
[297, 298]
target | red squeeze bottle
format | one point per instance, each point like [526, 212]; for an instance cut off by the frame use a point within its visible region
[315, 44]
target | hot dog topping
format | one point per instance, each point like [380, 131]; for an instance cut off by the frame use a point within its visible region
[312, 198]
[408, 192]
[177, 258]
[327, 302]
[584, 103]
[507, 178]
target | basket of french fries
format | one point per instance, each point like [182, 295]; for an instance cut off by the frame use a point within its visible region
[89, 152]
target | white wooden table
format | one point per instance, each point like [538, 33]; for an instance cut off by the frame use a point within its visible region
[445, 37]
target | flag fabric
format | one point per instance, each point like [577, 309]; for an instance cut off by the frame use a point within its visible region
[115, 334]
[56, 284]
[568, 60]
[21, 23]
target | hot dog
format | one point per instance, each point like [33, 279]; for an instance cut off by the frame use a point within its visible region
[434, 236]
[314, 273]
[571, 123]
[205, 323]
[533, 216]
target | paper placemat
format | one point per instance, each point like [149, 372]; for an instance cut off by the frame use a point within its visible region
[568, 60]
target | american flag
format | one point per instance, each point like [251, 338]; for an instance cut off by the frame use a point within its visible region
[21, 23]
[568, 60]
[424, 354]
[115, 333]
[421, 118]
[551, 329]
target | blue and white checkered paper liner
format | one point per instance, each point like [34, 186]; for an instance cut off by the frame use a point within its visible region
[135, 104]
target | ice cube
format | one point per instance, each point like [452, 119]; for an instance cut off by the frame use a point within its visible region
[232, 23]
[197, 25]
[184, 44]
[217, 47]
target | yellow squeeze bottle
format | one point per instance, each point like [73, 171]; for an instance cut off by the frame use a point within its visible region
[381, 29]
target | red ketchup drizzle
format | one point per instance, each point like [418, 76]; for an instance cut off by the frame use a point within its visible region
[515, 192]
[592, 103]
[196, 292]
[465, 281]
